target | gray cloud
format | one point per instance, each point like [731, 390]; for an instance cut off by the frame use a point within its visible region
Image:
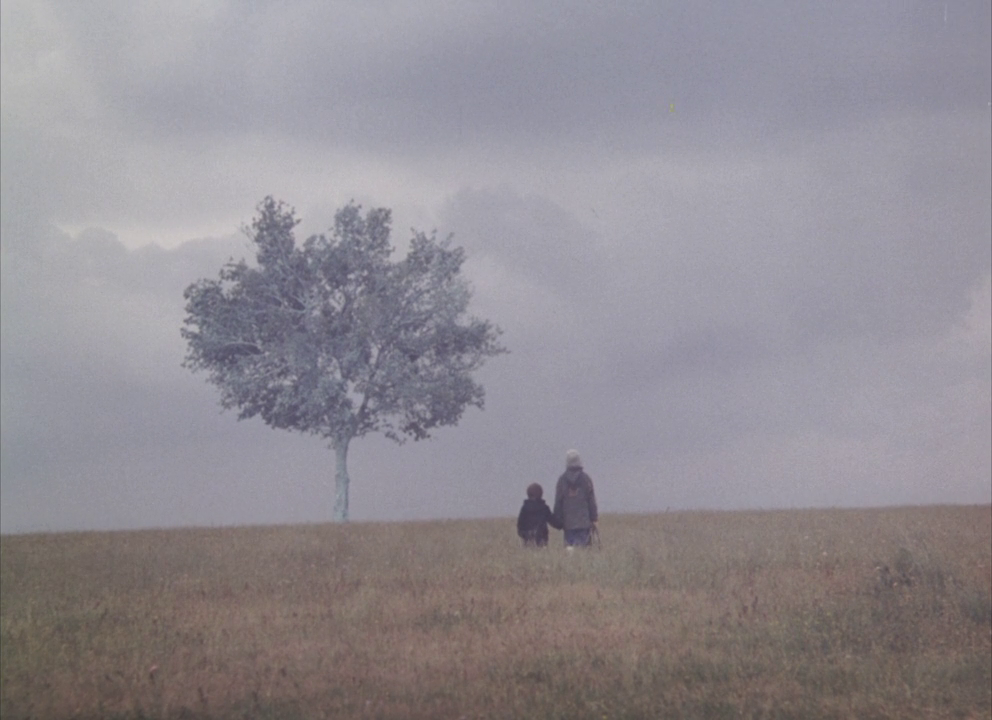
[775, 295]
[126, 108]
[395, 74]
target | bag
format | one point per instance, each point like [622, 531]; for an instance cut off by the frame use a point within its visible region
[594, 538]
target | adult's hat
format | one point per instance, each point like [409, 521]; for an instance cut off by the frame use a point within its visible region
[572, 459]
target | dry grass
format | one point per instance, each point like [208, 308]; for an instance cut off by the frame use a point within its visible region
[799, 614]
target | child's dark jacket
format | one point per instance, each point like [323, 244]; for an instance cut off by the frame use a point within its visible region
[533, 521]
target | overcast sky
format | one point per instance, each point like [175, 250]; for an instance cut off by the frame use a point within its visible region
[741, 252]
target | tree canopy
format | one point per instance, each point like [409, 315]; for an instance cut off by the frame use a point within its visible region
[337, 339]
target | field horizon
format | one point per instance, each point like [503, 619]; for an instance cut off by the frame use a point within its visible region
[497, 518]
[777, 613]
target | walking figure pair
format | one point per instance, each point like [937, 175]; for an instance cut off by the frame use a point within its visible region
[575, 510]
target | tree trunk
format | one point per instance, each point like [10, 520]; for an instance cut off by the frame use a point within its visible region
[341, 480]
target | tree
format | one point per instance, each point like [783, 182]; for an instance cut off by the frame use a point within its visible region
[334, 338]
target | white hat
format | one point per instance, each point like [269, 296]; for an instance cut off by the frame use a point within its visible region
[572, 459]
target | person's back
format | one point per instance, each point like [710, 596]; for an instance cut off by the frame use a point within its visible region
[534, 518]
[575, 502]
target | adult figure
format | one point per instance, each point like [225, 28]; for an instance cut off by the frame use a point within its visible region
[575, 503]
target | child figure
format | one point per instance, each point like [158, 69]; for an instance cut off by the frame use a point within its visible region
[534, 518]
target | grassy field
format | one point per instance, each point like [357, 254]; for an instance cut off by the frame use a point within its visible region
[792, 614]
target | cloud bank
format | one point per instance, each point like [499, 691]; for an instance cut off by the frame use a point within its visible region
[741, 256]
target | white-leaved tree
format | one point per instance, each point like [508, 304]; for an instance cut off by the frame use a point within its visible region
[335, 338]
